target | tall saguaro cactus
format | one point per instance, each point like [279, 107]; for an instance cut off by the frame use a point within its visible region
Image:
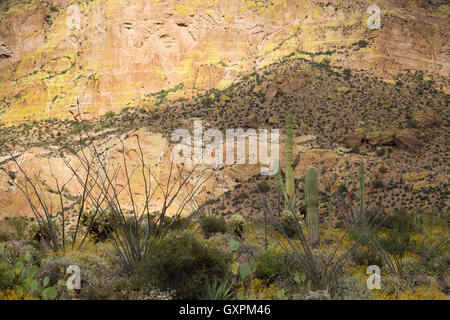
[311, 197]
[289, 159]
[288, 191]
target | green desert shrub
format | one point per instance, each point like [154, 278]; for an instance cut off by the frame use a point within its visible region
[171, 223]
[4, 236]
[347, 73]
[414, 274]
[46, 231]
[211, 225]
[366, 256]
[362, 43]
[263, 187]
[397, 243]
[439, 263]
[288, 222]
[238, 224]
[355, 149]
[377, 184]
[99, 225]
[15, 249]
[383, 169]
[19, 271]
[182, 264]
[413, 123]
[110, 114]
[381, 152]
[100, 279]
[402, 221]
[288, 228]
[269, 265]
[18, 225]
[177, 222]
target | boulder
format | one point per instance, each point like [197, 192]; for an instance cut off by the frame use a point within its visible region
[427, 117]
[271, 93]
[354, 139]
[251, 122]
[407, 140]
[304, 139]
[294, 84]
[381, 138]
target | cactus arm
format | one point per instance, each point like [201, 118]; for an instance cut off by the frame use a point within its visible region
[296, 161]
[279, 183]
[311, 197]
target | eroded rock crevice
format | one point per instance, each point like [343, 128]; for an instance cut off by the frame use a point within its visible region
[5, 52]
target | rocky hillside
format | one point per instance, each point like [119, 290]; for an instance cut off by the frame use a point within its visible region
[399, 128]
[149, 67]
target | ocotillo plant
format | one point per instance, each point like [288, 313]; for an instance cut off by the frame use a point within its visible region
[330, 217]
[362, 192]
[312, 216]
[288, 192]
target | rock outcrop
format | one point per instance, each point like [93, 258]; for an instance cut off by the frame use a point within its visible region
[405, 139]
[109, 54]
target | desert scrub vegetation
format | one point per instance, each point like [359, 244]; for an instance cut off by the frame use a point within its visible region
[211, 225]
[182, 263]
[187, 264]
[19, 272]
[205, 252]
[259, 262]
[101, 191]
[371, 103]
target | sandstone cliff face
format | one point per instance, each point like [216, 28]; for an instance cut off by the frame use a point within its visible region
[122, 50]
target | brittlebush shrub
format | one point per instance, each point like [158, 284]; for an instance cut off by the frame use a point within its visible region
[182, 264]
[418, 293]
[100, 277]
[258, 290]
[16, 294]
[351, 288]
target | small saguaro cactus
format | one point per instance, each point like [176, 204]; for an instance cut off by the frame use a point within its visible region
[330, 217]
[288, 192]
[311, 197]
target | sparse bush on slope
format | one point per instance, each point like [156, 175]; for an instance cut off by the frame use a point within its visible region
[181, 263]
